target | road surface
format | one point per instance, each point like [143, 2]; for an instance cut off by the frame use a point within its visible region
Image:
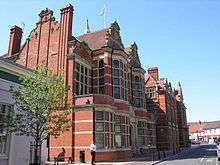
[201, 155]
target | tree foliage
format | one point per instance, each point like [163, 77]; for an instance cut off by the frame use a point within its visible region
[42, 106]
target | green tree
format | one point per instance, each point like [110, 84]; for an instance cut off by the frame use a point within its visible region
[42, 106]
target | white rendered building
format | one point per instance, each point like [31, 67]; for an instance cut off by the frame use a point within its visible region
[14, 150]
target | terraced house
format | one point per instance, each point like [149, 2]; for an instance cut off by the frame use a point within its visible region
[106, 85]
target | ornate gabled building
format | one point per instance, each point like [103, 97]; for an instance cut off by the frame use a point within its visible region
[167, 104]
[106, 85]
[181, 118]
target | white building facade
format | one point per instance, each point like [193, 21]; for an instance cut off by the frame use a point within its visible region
[14, 150]
[205, 132]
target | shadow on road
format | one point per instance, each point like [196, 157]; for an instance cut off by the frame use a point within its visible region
[202, 151]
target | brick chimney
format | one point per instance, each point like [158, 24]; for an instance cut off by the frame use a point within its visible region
[66, 19]
[153, 72]
[15, 40]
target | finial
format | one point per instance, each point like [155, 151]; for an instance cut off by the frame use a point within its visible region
[87, 27]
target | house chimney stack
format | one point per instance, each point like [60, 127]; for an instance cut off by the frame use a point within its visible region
[66, 19]
[15, 40]
[153, 72]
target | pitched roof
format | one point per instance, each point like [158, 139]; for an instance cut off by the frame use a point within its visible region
[196, 127]
[212, 125]
[95, 40]
[13, 63]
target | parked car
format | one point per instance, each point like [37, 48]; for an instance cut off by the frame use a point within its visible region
[195, 142]
[218, 152]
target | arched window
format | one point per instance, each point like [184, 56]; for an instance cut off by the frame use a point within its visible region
[116, 80]
[101, 77]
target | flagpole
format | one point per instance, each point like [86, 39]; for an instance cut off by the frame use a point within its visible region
[104, 16]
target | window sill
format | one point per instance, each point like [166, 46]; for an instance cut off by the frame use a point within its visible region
[3, 157]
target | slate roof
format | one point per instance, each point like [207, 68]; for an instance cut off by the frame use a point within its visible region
[13, 63]
[95, 40]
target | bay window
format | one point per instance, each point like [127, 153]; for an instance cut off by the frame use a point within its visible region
[82, 80]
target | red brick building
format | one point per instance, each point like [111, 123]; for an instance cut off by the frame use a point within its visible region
[167, 104]
[181, 118]
[106, 85]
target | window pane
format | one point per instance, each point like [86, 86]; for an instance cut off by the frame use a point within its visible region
[116, 64]
[99, 140]
[111, 117]
[78, 67]
[85, 89]
[101, 90]
[101, 72]
[77, 76]
[86, 82]
[99, 115]
[81, 89]
[101, 63]
[82, 78]
[116, 92]
[118, 128]
[116, 81]
[117, 119]
[100, 126]
[86, 71]
[82, 69]
[116, 72]
[137, 79]
[101, 81]
[118, 140]
[77, 88]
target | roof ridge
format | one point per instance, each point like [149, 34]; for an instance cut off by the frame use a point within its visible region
[92, 32]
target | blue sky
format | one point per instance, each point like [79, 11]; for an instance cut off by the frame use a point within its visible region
[182, 38]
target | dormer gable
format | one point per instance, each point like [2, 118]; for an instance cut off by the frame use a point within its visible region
[133, 55]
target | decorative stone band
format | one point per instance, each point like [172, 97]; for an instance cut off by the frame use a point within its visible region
[83, 132]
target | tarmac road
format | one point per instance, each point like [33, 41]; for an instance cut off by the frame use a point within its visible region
[201, 155]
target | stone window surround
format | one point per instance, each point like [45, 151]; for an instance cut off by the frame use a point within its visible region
[105, 148]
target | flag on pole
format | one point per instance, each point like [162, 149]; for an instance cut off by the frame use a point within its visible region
[103, 11]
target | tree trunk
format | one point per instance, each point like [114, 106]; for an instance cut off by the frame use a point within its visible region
[36, 158]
